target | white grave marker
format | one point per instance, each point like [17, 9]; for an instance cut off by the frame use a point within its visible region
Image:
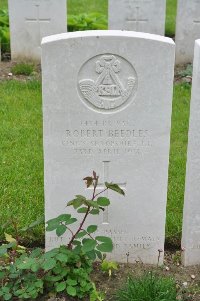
[107, 107]
[187, 29]
[191, 219]
[138, 15]
[30, 21]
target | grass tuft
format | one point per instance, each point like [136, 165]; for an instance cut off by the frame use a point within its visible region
[22, 69]
[149, 287]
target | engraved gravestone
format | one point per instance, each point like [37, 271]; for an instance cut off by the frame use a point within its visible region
[138, 15]
[107, 107]
[30, 21]
[187, 29]
[191, 218]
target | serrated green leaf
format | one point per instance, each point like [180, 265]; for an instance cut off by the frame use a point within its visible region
[7, 297]
[92, 228]
[61, 230]
[105, 247]
[77, 202]
[62, 257]
[35, 267]
[39, 283]
[35, 253]
[94, 211]
[115, 188]
[103, 201]
[103, 239]
[91, 255]
[82, 210]
[71, 282]
[60, 287]
[76, 243]
[51, 253]
[81, 234]
[64, 217]
[88, 245]
[49, 264]
[3, 274]
[52, 224]
[71, 221]
[71, 291]
[91, 204]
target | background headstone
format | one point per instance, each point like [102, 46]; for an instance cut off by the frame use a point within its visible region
[30, 21]
[108, 108]
[138, 15]
[191, 218]
[187, 29]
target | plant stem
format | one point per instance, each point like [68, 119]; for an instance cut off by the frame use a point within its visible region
[79, 229]
[87, 212]
[100, 192]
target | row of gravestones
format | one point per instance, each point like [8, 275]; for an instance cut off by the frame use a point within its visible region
[31, 20]
[107, 99]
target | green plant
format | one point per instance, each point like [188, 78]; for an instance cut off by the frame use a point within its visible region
[26, 275]
[95, 295]
[82, 238]
[187, 71]
[149, 287]
[109, 267]
[22, 69]
[4, 30]
[92, 21]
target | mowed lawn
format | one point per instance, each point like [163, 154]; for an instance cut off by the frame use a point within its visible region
[21, 155]
[101, 6]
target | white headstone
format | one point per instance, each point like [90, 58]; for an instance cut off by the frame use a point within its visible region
[191, 218]
[138, 15]
[187, 29]
[107, 102]
[30, 21]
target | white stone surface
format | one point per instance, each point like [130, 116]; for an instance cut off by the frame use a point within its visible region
[191, 219]
[30, 21]
[138, 15]
[187, 29]
[107, 107]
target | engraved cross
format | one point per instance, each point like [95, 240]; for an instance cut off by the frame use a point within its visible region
[38, 20]
[136, 20]
[101, 186]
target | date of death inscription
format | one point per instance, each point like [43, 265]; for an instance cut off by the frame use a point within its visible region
[106, 138]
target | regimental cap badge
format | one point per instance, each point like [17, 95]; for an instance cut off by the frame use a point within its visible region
[113, 85]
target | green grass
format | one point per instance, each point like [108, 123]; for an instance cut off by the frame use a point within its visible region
[21, 155]
[101, 6]
[171, 18]
[22, 69]
[87, 6]
[147, 288]
[3, 4]
[21, 168]
[180, 120]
